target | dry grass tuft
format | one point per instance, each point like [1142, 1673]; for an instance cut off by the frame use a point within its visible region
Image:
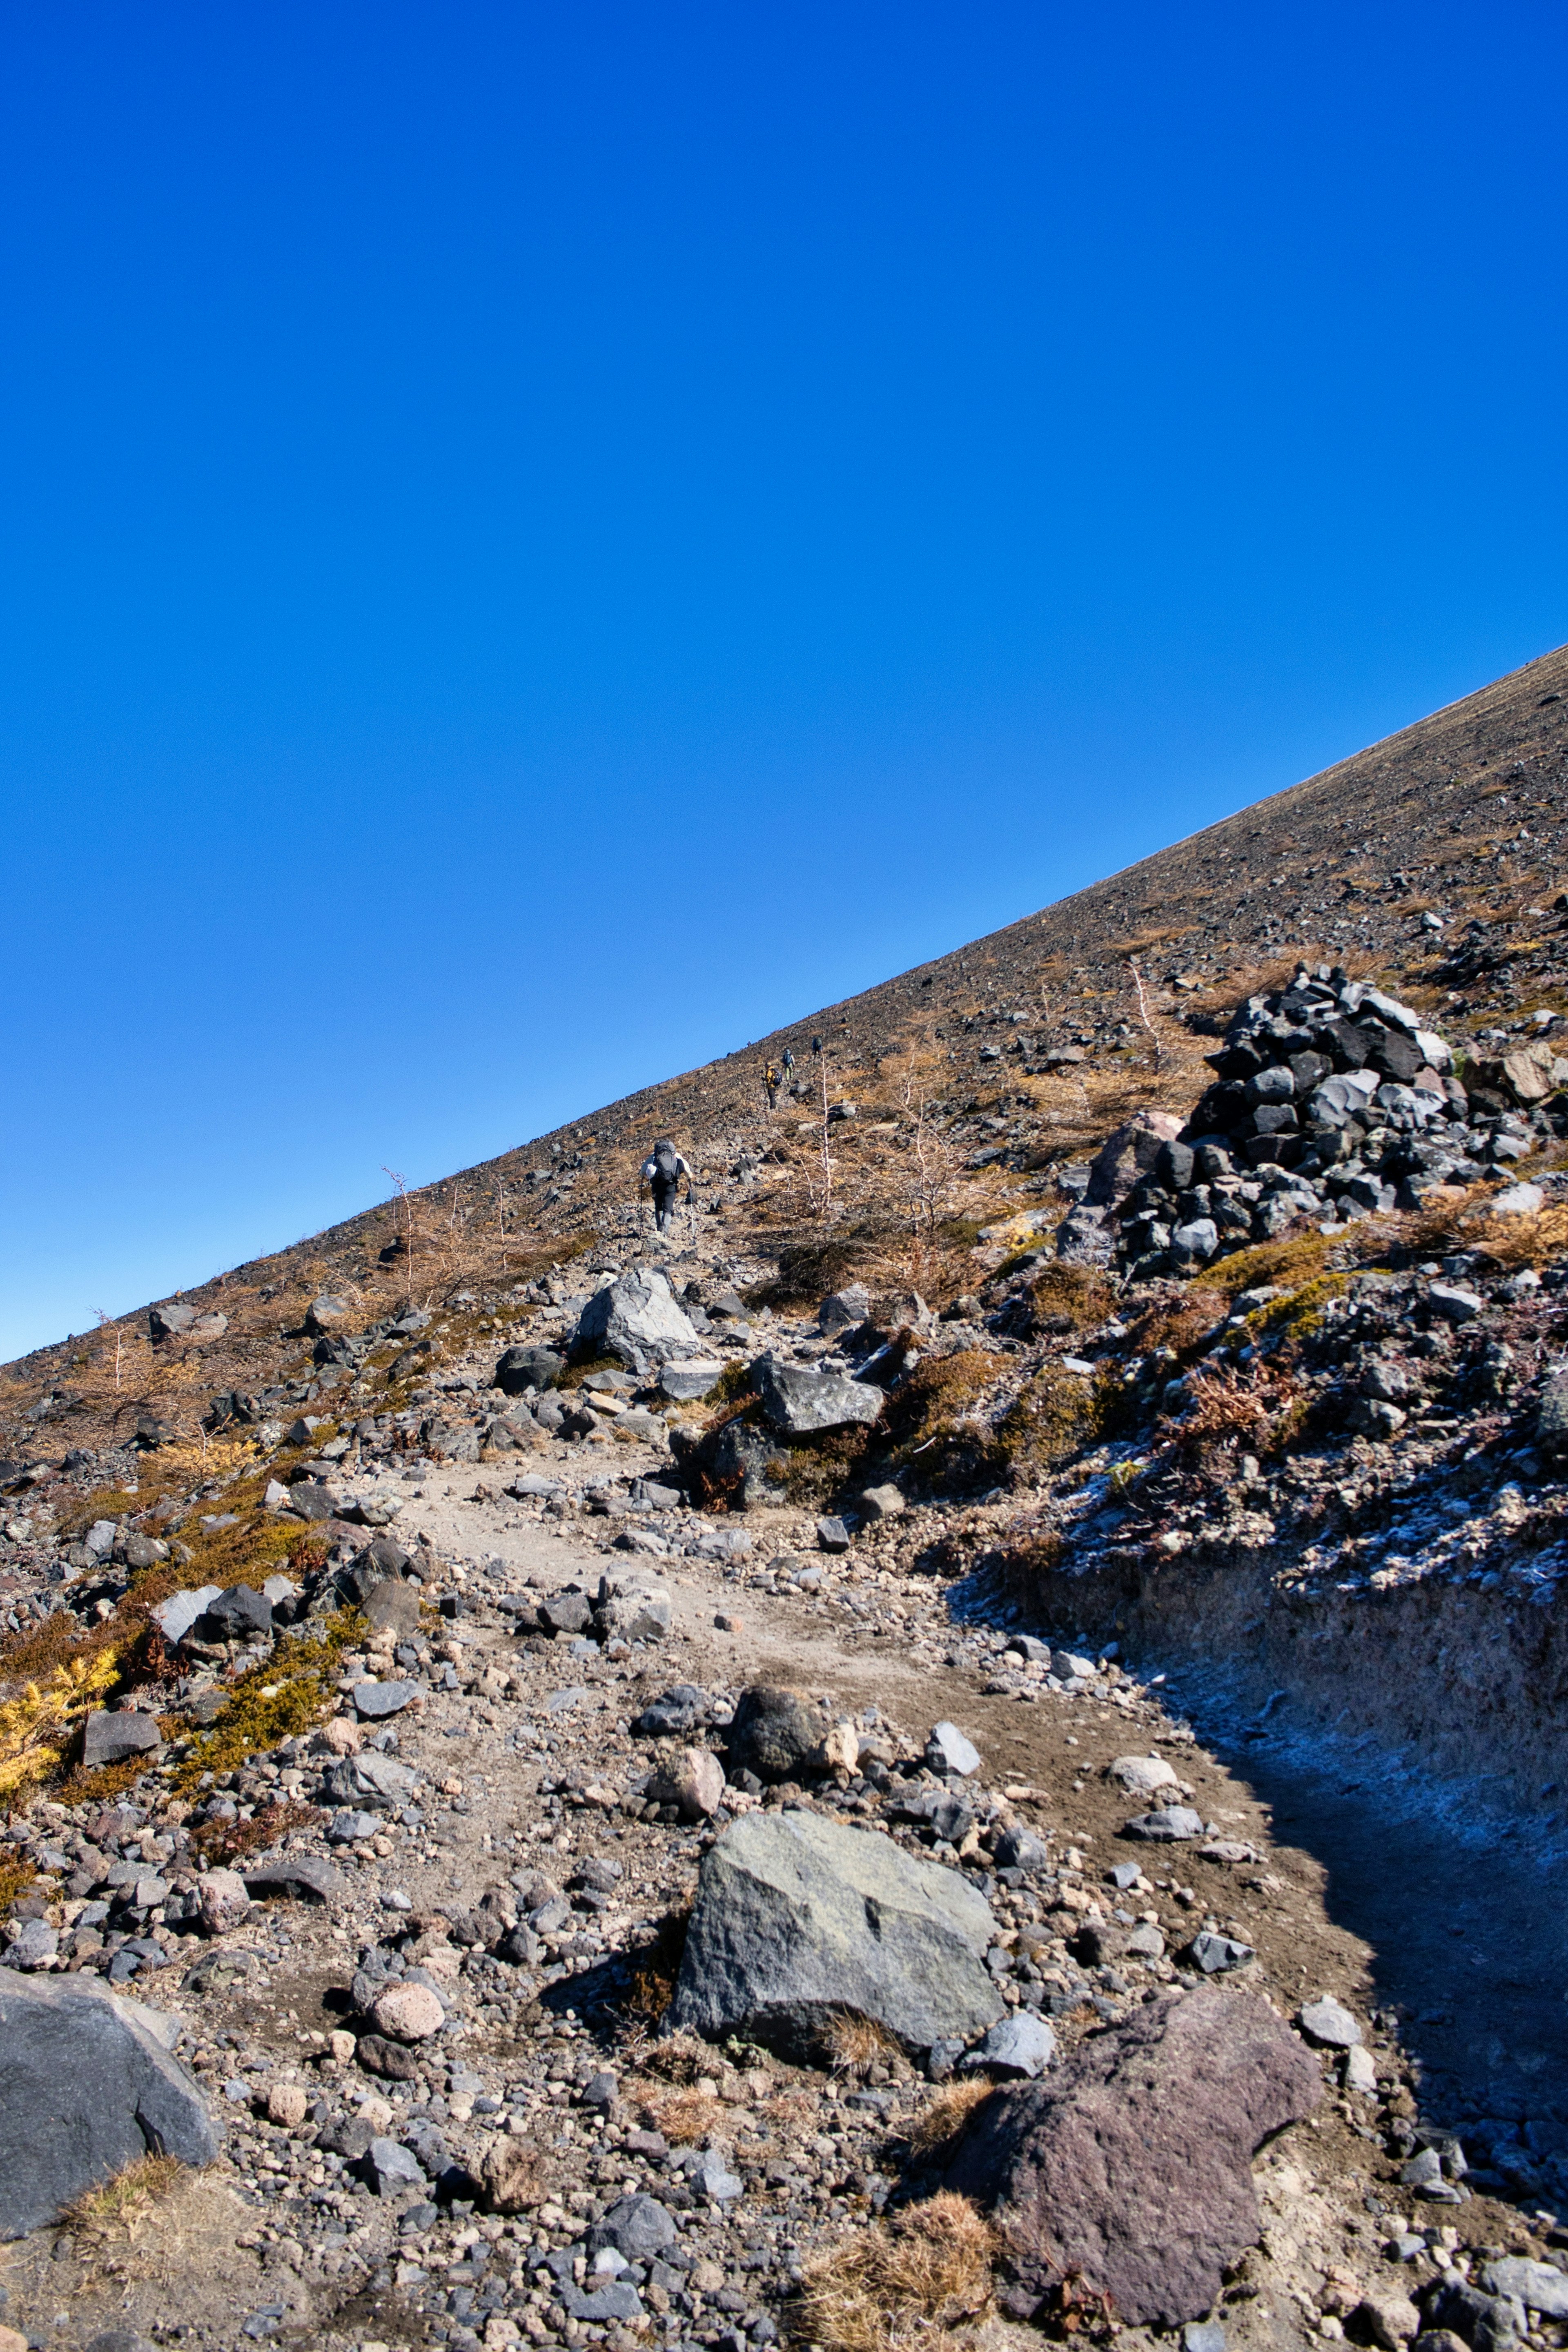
[126, 2200]
[1516, 1242]
[910, 2281]
[939, 2123]
[853, 2045]
[1257, 1409]
[686, 2117]
[680, 2058]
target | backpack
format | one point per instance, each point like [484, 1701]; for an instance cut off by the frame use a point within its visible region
[666, 1160]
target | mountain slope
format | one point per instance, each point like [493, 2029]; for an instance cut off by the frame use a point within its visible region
[1459, 821]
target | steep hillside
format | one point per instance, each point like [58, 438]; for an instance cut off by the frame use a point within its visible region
[1431, 861]
[1155, 1316]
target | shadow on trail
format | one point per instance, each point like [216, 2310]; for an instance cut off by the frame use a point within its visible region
[1465, 1925]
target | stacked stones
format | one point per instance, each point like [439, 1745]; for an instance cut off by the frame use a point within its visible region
[1332, 1101]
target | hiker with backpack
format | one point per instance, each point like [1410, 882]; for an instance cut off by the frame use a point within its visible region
[662, 1170]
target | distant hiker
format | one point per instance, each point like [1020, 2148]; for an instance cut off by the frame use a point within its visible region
[771, 1080]
[662, 1170]
[817, 1044]
[788, 1061]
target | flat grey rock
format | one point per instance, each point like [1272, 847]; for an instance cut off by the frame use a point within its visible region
[1141, 1776]
[605, 2305]
[295, 1874]
[388, 2167]
[85, 2091]
[638, 2227]
[1517, 1201]
[349, 1827]
[34, 1944]
[1167, 1825]
[1019, 1849]
[241, 1613]
[711, 2176]
[798, 1401]
[1538, 2285]
[797, 1918]
[1216, 1955]
[375, 1700]
[691, 1376]
[567, 1612]
[1327, 2023]
[1020, 2044]
[174, 1617]
[312, 1500]
[521, 1368]
[111, 1738]
[376, 1782]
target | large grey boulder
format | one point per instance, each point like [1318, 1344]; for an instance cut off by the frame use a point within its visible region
[170, 1322]
[86, 2089]
[798, 1401]
[308, 1875]
[634, 1317]
[797, 1918]
[1130, 2163]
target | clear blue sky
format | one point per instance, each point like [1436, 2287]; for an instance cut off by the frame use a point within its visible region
[540, 542]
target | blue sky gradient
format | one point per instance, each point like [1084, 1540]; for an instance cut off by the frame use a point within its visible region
[540, 543]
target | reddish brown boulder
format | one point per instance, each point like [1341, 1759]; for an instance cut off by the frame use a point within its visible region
[1131, 2163]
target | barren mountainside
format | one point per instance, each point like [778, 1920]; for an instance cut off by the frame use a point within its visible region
[963, 1744]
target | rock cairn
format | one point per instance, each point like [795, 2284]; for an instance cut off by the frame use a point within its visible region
[1331, 1102]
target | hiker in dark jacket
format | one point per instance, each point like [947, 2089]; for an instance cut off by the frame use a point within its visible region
[663, 1169]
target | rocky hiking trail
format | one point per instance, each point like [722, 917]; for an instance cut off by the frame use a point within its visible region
[263, 2021]
[965, 1748]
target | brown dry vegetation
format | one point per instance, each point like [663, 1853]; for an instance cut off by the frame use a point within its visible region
[941, 2120]
[123, 2203]
[909, 2282]
[853, 2045]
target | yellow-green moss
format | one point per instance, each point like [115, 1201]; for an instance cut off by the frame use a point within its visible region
[1299, 1312]
[274, 1701]
[1054, 1416]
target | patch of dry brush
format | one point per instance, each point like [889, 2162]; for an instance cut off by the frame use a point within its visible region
[912, 2281]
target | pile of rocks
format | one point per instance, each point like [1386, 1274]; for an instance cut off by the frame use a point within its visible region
[1333, 1102]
